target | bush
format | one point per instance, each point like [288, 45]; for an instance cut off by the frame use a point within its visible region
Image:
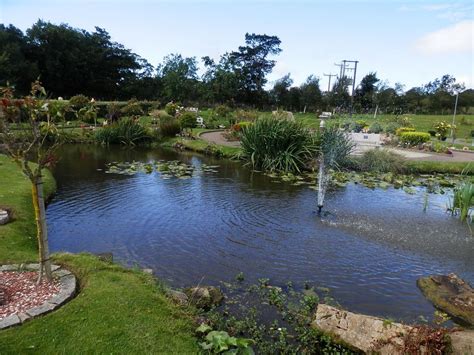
[442, 129]
[171, 108]
[401, 130]
[187, 120]
[414, 138]
[222, 111]
[402, 121]
[357, 126]
[375, 128]
[126, 131]
[277, 145]
[79, 101]
[392, 127]
[114, 111]
[381, 161]
[169, 126]
[133, 108]
[87, 114]
[245, 115]
[336, 146]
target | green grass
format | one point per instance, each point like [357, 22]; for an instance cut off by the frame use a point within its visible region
[117, 310]
[439, 167]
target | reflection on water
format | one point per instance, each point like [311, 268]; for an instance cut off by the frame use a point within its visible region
[369, 250]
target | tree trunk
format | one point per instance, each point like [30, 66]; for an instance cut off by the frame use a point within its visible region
[41, 230]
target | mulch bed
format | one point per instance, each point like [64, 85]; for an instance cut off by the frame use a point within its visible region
[21, 293]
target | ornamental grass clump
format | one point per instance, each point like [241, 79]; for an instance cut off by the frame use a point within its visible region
[126, 131]
[277, 145]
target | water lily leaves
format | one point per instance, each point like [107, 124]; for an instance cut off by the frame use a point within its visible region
[167, 169]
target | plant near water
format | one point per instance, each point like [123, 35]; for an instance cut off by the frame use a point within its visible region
[126, 131]
[463, 199]
[381, 161]
[277, 145]
[217, 342]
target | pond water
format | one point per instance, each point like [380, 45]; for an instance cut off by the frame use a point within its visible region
[369, 250]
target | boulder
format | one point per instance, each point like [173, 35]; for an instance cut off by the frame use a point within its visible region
[3, 298]
[450, 294]
[178, 297]
[375, 335]
[4, 216]
[204, 296]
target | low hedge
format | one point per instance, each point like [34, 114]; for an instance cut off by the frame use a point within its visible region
[414, 138]
[402, 130]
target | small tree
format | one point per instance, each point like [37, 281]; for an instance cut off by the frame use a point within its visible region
[29, 134]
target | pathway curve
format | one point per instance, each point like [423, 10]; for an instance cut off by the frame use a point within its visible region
[217, 137]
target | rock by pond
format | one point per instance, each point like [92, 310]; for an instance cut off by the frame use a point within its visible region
[451, 294]
[204, 296]
[375, 335]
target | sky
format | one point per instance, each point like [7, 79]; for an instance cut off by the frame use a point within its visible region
[410, 42]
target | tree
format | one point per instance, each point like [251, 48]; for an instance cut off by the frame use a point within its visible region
[38, 141]
[251, 64]
[280, 93]
[365, 93]
[178, 76]
[311, 96]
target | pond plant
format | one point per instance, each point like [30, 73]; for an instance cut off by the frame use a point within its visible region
[463, 201]
[277, 145]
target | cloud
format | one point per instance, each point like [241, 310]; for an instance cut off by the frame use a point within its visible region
[456, 38]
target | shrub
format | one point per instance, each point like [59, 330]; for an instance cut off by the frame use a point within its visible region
[402, 121]
[401, 130]
[392, 127]
[171, 108]
[375, 128]
[133, 108]
[357, 126]
[79, 101]
[246, 115]
[277, 145]
[336, 147]
[113, 111]
[442, 129]
[187, 120]
[169, 126]
[381, 161]
[126, 131]
[87, 114]
[414, 138]
[222, 111]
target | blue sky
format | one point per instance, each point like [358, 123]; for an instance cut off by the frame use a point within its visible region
[411, 42]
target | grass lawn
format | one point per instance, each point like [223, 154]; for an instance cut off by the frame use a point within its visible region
[117, 310]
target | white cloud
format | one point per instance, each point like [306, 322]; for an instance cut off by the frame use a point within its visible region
[456, 38]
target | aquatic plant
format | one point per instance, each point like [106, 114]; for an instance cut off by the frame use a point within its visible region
[126, 131]
[379, 161]
[463, 199]
[277, 145]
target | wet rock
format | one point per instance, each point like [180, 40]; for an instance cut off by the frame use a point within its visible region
[4, 216]
[365, 333]
[178, 297]
[450, 294]
[204, 296]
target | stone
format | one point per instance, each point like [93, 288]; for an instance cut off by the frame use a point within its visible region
[62, 273]
[44, 308]
[3, 299]
[178, 297]
[148, 271]
[9, 321]
[204, 297]
[5, 216]
[23, 317]
[451, 294]
[365, 333]
[462, 342]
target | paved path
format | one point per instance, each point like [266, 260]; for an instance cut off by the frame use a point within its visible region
[218, 138]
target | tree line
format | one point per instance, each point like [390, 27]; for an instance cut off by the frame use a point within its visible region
[71, 61]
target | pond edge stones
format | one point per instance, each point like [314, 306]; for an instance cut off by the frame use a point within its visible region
[67, 290]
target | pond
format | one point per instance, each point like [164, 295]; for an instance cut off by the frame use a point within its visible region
[369, 250]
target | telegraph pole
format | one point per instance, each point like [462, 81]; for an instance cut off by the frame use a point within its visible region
[330, 76]
[341, 74]
[353, 81]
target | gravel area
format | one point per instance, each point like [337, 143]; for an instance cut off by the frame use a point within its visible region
[22, 293]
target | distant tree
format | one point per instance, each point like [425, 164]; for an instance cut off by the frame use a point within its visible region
[178, 76]
[311, 96]
[221, 82]
[280, 93]
[339, 98]
[364, 95]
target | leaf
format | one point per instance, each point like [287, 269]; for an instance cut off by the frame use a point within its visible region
[203, 328]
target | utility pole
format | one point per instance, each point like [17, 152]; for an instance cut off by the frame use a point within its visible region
[454, 117]
[330, 76]
[353, 81]
[341, 66]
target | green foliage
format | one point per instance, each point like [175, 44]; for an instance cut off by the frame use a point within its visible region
[126, 131]
[87, 114]
[79, 101]
[277, 145]
[246, 115]
[171, 108]
[401, 130]
[414, 138]
[463, 199]
[113, 111]
[223, 111]
[381, 161]
[187, 120]
[392, 127]
[442, 128]
[375, 127]
[169, 126]
[335, 147]
[357, 126]
[217, 342]
[133, 108]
